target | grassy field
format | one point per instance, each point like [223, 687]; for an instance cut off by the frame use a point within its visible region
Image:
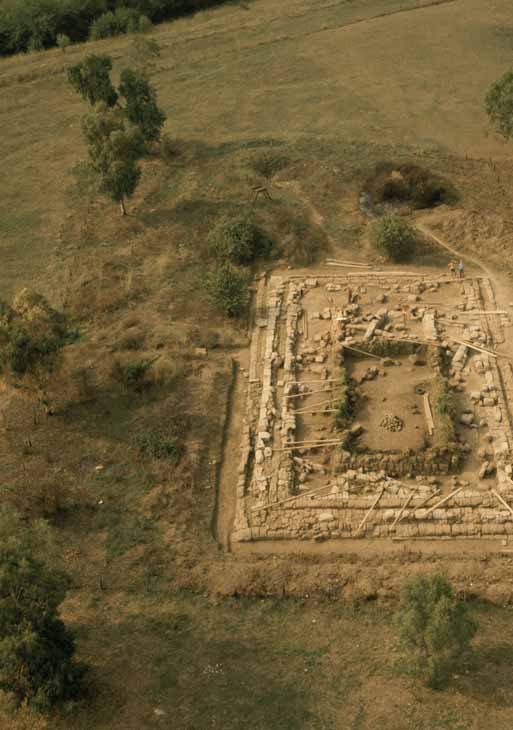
[331, 88]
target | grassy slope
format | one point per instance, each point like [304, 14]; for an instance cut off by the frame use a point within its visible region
[328, 90]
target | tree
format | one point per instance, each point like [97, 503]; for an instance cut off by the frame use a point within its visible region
[91, 79]
[394, 237]
[499, 105]
[227, 289]
[114, 150]
[434, 628]
[31, 336]
[36, 648]
[144, 54]
[141, 104]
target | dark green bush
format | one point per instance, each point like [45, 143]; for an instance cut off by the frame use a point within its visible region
[345, 403]
[394, 238]
[239, 241]
[159, 445]
[435, 628]
[37, 663]
[122, 20]
[227, 289]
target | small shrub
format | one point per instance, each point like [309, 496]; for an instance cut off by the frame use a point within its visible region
[435, 629]
[268, 164]
[227, 289]
[394, 237]
[133, 375]
[63, 41]
[239, 241]
[168, 148]
[158, 445]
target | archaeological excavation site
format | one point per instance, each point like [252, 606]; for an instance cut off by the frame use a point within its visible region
[377, 407]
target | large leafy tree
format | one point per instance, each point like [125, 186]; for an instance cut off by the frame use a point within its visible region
[36, 649]
[141, 104]
[114, 148]
[434, 627]
[91, 79]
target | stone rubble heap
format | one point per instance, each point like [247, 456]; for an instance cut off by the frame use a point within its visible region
[392, 423]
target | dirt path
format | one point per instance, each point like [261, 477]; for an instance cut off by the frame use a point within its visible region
[501, 286]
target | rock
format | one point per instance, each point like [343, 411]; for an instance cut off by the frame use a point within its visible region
[311, 283]
[356, 430]
[259, 456]
[264, 435]
[466, 419]
[489, 402]
[483, 471]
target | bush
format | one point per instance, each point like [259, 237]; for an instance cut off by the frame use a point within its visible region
[36, 648]
[394, 237]
[268, 164]
[227, 289]
[346, 402]
[122, 20]
[406, 182]
[158, 445]
[239, 241]
[63, 41]
[434, 628]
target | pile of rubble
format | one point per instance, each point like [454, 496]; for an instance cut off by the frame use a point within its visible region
[392, 423]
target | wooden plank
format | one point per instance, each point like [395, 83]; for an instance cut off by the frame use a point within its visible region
[442, 501]
[362, 352]
[369, 511]
[479, 349]
[399, 516]
[424, 501]
[353, 263]
[289, 499]
[506, 505]
[303, 395]
[429, 415]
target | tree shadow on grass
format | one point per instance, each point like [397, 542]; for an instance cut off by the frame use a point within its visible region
[225, 679]
[491, 675]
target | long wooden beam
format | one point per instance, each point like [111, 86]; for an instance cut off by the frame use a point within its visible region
[369, 511]
[442, 501]
[502, 501]
[289, 499]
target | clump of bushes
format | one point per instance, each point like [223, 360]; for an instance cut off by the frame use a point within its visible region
[122, 20]
[227, 289]
[408, 183]
[445, 412]
[239, 241]
[435, 628]
[346, 402]
[394, 238]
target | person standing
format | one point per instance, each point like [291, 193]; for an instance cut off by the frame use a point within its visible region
[349, 295]
[452, 269]
[461, 269]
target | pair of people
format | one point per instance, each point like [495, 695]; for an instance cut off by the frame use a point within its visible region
[461, 269]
